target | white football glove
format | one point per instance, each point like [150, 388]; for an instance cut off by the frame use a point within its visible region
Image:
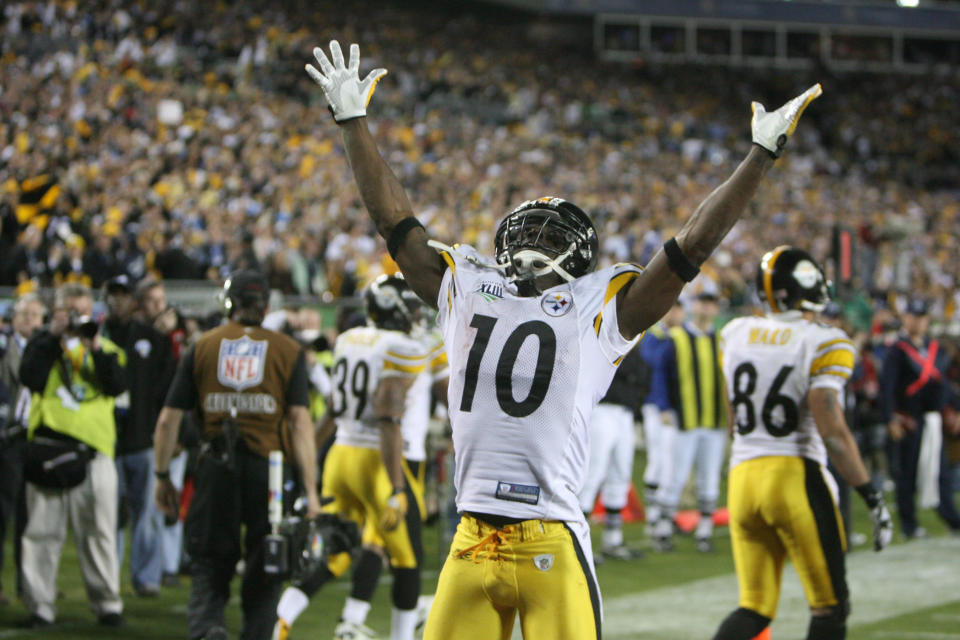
[347, 95]
[771, 130]
[882, 525]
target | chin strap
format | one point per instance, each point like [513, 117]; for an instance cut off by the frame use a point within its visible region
[524, 255]
[816, 307]
[549, 264]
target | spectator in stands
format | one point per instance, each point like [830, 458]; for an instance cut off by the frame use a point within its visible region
[74, 374]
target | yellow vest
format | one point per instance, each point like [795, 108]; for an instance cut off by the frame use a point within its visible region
[82, 412]
[697, 392]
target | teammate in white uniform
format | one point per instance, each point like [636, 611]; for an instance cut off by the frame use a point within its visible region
[416, 417]
[374, 369]
[785, 378]
[533, 338]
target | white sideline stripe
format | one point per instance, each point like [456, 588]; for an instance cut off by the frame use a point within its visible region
[916, 635]
[945, 617]
[695, 609]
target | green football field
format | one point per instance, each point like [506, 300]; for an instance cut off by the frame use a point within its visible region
[911, 591]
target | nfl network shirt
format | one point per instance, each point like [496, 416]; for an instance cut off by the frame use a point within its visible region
[525, 374]
[254, 373]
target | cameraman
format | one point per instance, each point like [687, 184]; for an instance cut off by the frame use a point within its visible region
[75, 374]
[249, 389]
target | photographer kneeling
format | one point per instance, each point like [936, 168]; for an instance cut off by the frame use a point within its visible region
[74, 374]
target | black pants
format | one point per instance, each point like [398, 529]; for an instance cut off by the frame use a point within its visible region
[225, 502]
[12, 502]
[905, 458]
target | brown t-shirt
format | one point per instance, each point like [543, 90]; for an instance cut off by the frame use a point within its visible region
[251, 371]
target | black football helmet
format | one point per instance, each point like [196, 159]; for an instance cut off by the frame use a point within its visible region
[788, 278]
[546, 235]
[391, 304]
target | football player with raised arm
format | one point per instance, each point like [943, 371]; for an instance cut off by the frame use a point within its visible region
[785, 377]
[533, 338]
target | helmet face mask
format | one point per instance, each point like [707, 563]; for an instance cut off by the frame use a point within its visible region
[789, 279]
[544, 237]
[391, 304]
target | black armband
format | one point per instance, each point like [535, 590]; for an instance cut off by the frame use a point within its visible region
[679, 262]
[399, 234]
[870, 494]
[162, 475]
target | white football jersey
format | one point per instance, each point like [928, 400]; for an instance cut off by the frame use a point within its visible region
[362, 358]
[525, 374]
[770, 364]
[416, 413]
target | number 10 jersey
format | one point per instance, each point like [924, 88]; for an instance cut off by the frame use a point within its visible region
[525, 374]
[770, 364]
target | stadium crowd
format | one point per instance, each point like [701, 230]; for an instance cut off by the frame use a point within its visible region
[171, 139]
[179, 142]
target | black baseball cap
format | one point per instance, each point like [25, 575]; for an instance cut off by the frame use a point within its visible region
[247, 287]
[917, 307]
[118, 284]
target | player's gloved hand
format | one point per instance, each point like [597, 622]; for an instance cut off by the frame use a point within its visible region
[394, 511]
[771, 130]
[879, 515]
[882, 526]
[347, 94]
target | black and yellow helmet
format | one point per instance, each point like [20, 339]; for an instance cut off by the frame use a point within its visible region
[789, 278]
[391, 304]
[544, 235]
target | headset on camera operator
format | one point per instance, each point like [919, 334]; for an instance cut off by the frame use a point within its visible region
[74, 374]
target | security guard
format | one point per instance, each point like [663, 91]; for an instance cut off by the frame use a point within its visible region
[696, 396]
[913, 391]
[249, 389]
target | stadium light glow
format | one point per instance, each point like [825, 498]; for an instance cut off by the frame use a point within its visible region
[908, 3]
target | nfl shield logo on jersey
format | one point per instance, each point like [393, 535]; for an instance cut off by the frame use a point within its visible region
[557, 304]
[544, 562]
[241, 363]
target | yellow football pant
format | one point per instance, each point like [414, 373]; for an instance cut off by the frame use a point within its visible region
[357, 481]
[535, 568]
[780, 506]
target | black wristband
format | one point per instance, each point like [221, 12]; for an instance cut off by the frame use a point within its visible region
[399, 233]
[162, 475]
[679, 262]
[869, 494]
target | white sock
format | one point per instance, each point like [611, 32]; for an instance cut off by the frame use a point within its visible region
[664, 527]
[704, 526]
[402, 624]
[355, 611]
[612, 537]
[291, 605]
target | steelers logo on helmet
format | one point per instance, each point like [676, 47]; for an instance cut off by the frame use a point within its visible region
[788, 278]
[391, 304]
[547, 235]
